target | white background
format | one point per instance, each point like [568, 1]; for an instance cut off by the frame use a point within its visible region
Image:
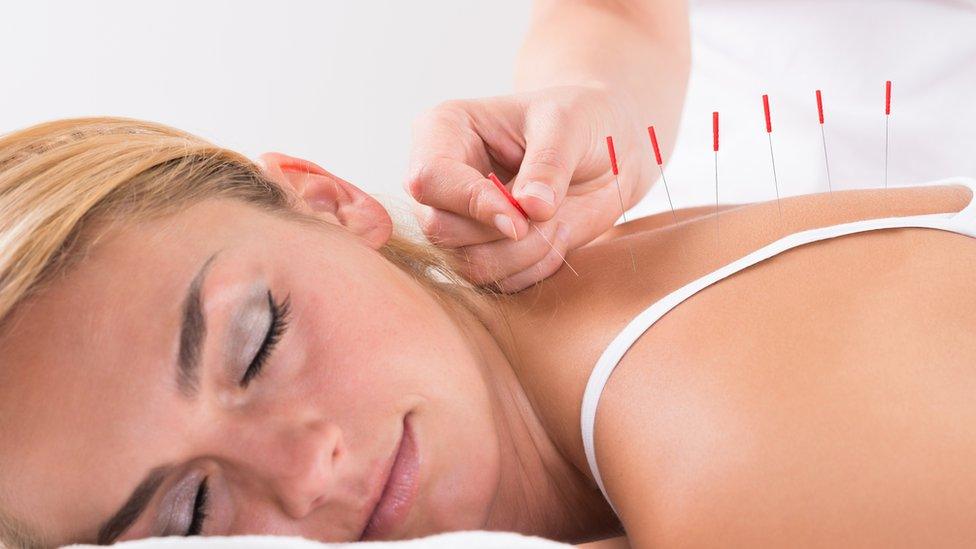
[339, 82]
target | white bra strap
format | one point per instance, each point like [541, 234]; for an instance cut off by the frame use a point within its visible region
[963, 222]
[966, 217]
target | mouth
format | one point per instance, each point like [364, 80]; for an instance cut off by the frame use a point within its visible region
[399, 488]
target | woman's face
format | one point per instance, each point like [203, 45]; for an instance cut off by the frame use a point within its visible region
[267, 372]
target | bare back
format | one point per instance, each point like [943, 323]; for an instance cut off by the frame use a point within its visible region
[821, 395]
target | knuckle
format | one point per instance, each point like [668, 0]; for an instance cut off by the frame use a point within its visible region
[414, 186]
[548, 157]
[449, 108]
[431, 225]
[416, 183]
[553, 116]
[445, 112]
[476, 202]
[560, 112]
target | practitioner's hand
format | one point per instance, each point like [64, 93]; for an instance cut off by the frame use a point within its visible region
[550, 146]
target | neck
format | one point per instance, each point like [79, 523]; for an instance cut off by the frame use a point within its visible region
[540, 492]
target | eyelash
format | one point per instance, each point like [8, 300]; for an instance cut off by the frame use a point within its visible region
[200, 510]
[279, 323]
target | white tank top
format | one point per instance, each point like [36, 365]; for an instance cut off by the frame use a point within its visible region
[963, 222]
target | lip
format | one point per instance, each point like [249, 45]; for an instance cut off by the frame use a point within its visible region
[398, 489]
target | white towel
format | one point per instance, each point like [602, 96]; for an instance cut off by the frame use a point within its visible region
[467, 540]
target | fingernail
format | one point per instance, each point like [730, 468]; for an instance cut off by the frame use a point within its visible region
[505, 224]
[540, 191]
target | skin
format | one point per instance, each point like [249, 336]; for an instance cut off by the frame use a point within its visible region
[725, 437]
[816, 397]
[303, 447]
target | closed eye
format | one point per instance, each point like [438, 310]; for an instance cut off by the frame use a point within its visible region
[276, 329]
[200, 510]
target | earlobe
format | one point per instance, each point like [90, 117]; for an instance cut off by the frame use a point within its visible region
[330, 197]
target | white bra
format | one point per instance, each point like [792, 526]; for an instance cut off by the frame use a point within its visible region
[963, 222]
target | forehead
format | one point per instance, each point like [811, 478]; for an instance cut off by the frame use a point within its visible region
[79, 358]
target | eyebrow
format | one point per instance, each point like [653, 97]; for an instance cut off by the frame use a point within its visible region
[193, 331]
[133, 507]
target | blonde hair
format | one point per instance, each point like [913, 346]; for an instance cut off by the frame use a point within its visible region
[60, 180]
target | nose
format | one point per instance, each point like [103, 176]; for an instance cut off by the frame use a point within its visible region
[296, 463]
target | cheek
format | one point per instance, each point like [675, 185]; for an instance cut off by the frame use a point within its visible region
[463, 452]
[370, 333]
[380, 348]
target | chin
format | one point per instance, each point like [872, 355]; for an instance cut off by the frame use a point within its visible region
[461, 499]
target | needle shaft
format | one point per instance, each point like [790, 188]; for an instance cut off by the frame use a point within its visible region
[718, 242]
[616, 179]
[623, 214]
[674, 216]
[551, 245]
[823, 138]
[511, 199]
[660, 165]
[772, 160]
[887, 118]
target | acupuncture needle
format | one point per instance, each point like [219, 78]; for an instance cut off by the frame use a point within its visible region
[772, 159]
[511, 199]
[715, 149]
[823, 137]
[660, 165]
[616, 178]
[887, 118]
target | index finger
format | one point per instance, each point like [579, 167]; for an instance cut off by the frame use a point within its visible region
[454, 186]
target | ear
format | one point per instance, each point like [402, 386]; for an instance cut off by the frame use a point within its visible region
[330, 197]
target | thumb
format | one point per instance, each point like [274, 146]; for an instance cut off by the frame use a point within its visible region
[546, 171]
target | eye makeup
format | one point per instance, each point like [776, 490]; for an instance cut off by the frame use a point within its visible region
[200, 509]
[279, 313]
[177, 513]
[254, 331]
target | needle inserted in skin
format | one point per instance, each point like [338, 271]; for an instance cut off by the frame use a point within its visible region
[660, 165]
[616, 179]
[823, 137]
[511, 199]
[715, 149]
[772, 159]
[887, 117]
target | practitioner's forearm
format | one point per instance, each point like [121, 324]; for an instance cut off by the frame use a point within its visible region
[639, 48]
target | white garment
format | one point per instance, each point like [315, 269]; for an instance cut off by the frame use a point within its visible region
[789, 48]
[963, 222]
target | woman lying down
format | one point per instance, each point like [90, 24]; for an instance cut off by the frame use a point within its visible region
[194, 346]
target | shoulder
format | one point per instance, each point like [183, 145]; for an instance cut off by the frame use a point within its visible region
[739, 418]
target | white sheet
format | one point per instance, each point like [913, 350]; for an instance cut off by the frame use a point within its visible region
[465, 540]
